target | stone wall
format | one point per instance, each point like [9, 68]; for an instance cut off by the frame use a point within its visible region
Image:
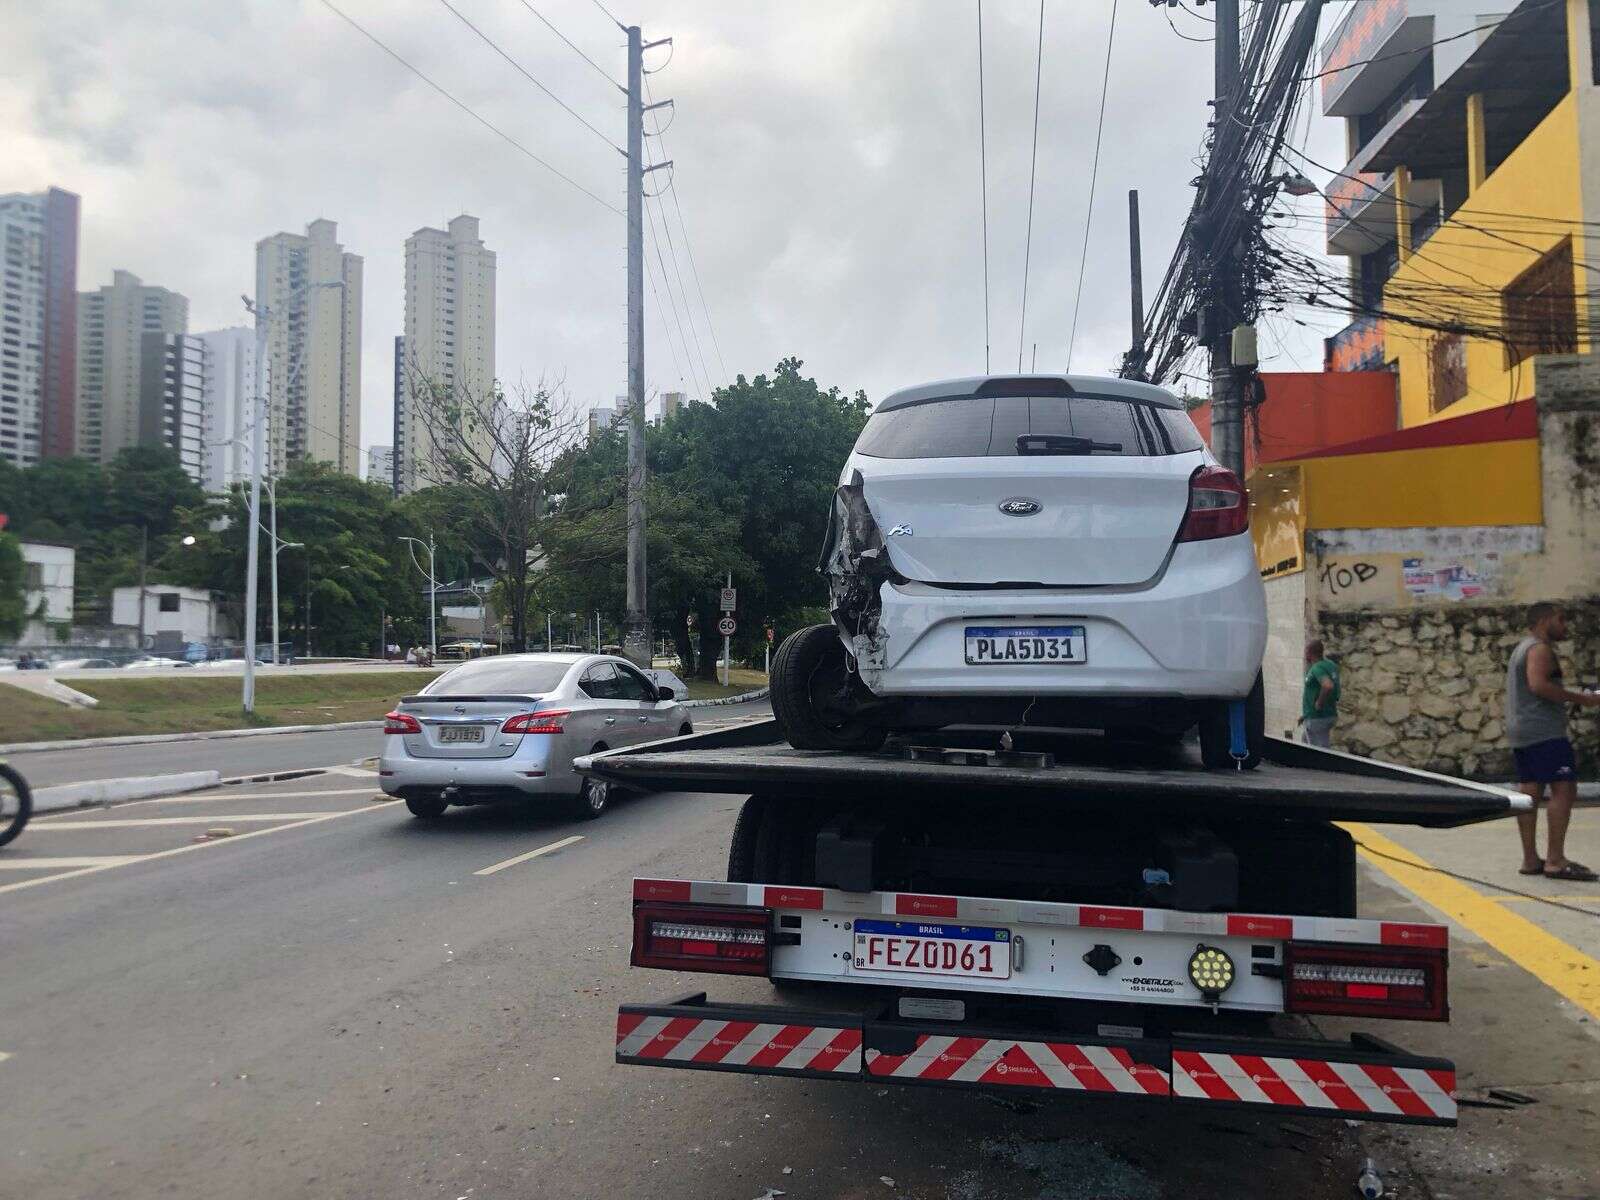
[1427, 688]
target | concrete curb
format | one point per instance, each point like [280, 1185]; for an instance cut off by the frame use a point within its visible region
[758, 694]
[146, 739]
[110, 791]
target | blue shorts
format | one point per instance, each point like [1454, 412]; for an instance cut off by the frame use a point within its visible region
[1546, 762]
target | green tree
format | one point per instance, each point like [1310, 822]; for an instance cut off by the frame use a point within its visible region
[13, 599]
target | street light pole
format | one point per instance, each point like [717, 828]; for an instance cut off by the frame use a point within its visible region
[272, 494]
[253, 568]
[433, 588]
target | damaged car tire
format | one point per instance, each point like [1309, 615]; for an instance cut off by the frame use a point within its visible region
[810, 677]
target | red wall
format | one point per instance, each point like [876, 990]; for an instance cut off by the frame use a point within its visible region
[1307, 411]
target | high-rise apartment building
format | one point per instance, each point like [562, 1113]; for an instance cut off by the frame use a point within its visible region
[449, 338]
[38, 324]
[400, 413]
[671, 402]
[172, 397]
[380, 465]
[312, 290]
[112, 323]
[230, 383]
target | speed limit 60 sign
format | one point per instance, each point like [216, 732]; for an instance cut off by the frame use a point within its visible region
[726, 626]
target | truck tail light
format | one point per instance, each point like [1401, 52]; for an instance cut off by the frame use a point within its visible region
[1218, 506]
[548, 721]
[1401, 982]
[702, 937]
[399, 722]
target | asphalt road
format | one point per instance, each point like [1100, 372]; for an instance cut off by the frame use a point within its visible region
[336, 1002]
[252, 755]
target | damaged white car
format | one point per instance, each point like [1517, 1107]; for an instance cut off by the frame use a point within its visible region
[1033, 551]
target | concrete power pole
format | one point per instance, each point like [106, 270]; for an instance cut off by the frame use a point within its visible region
[636, 639]
[1227, 411]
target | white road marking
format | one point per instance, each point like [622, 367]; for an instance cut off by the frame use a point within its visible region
[522, 858]
[358, 772]
[62, 864]
[4, 1055]
[146, 822]
[201, 798]
[190, 848]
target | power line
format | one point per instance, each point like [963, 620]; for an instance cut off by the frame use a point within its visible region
[609, 17]
[666, 282]
[688, 249]
[1094, 173]
[521, 70]
[983, 173]
[494, 129]
[1033, 172]
[604, 74]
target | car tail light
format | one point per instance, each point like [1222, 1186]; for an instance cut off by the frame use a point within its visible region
[536, 722]
[1218, 506]
[399, 722]
[1403, 982]
[702, 937]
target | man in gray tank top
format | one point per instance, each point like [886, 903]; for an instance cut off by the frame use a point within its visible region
[1536, 725]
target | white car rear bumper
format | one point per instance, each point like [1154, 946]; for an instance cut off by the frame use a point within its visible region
[1198, 632]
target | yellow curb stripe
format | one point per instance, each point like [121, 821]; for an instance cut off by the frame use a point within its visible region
[1543, 955]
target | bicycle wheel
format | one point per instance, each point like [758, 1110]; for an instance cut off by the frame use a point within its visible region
[16, 803]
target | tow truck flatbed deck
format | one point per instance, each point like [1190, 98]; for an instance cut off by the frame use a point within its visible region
[1083, 770]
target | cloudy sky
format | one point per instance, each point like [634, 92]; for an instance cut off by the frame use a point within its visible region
[827, 171]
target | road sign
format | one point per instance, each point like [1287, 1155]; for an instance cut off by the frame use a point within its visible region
[769, 633]
[726, 626]
[730, 599]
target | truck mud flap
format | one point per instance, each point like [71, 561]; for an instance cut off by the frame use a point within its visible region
[1363, 1079]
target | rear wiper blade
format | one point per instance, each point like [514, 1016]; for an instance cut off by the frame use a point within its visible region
[1059, 443]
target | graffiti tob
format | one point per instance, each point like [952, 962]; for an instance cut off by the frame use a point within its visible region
[1338, 577]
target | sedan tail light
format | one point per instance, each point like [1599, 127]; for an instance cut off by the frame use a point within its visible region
[548, 721]
[1218, 506]
[702, 937]
[399, 722]
[1402, 982]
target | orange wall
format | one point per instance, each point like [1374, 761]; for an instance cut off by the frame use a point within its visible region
[1307, 411]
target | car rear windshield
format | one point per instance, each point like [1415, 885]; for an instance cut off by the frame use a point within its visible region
[492, 676]
[988, 426]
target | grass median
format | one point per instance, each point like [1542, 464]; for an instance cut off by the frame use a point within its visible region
[168, 704]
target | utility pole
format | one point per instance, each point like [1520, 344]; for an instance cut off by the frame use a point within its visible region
[144, 555]
[636, 636]
[252, 567]
[1135, 275]
[1227, 411]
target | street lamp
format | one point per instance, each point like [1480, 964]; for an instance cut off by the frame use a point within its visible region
[278, 546]
[262, 315]
[433, 587]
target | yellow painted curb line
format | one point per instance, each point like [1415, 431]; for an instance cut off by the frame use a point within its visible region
[1565, 968]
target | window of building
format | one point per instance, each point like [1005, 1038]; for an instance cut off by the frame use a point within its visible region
[169, 601]
[1447, 371]
[32, 576]
[1541, 315]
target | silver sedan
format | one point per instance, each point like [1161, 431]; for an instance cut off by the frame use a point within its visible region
[507, 729]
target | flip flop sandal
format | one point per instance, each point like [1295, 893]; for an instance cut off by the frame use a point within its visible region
[1539, 870]
[1573, 873]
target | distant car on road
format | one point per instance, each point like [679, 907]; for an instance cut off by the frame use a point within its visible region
[153, 662]
[83, 664]
[506, 729]
[662, 677]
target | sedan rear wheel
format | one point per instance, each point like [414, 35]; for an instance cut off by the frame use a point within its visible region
[593, 797]
[428, 808]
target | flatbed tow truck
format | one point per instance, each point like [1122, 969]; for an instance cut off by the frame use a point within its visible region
[1032, 912]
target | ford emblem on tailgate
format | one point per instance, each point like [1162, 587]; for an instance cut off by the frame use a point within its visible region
[1020, 506]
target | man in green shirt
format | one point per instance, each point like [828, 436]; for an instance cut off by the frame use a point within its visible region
[1319, 699]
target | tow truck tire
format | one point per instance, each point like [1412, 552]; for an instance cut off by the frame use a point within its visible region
[426, 808]
[742, 846]
[1216, 750]
[809, 660]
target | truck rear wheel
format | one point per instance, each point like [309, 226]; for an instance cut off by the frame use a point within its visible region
[1216, 737]
[809, 671]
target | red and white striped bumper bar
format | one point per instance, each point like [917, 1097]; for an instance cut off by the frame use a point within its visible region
[1364, 1079]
